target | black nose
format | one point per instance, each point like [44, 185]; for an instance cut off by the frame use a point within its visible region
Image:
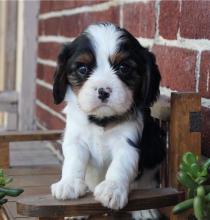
[102, 94]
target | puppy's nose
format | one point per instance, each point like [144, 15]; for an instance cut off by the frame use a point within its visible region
[103, 94]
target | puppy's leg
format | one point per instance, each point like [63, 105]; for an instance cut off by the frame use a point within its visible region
[113, 191]
[72, 184]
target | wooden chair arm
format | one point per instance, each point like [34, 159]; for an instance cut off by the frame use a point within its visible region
[47, 206]
[30, 136]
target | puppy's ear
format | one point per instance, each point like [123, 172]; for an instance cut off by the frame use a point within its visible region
[60, 77]
[151, 81]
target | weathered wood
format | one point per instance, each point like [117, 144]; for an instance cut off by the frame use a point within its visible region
[1, 214]
[29, 171]
[4, 154]
[51, 218]
[26, 67]
[8, 107]
[30, 136]
[10, 212]
[182, 139]
[8, 101]
[10, 45]
[112, 216]
[34, 180]
[46, 206]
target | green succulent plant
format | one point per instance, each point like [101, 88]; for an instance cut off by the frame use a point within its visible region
[193, 175]
[6, 191]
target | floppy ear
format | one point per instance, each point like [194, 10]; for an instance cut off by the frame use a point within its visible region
[60, 78]
[151, 81]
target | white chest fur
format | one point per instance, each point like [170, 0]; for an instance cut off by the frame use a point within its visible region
[100, 143]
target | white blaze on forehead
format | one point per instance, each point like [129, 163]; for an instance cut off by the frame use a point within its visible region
[105, 39]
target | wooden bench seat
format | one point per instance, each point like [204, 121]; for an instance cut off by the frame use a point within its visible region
[34, 180]
[46, 205]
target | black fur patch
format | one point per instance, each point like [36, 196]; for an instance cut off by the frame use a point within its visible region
[103, 122]
[68, 62]
[144, 79]
[152, 144]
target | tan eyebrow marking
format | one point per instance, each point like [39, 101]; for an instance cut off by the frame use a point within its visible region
[117, 57]
[85, 58]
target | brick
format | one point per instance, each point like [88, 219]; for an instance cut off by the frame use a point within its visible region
[195, 19]
[55, 5]
[48, 120]
[45, 95]
[73, 25]
[177, 67]
[61, 5]
[169, 19]
[140, 19]
[205, 141]
[50, 26]
[45, 6]
[204, 83]
[45, 73]
[49, 51]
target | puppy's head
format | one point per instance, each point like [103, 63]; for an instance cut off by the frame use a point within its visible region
[108, 70]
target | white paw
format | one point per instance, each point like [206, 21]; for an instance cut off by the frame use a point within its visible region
[111, 194]
[68, 189]
[151, 214]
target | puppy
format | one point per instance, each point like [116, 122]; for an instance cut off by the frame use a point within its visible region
[111, 144]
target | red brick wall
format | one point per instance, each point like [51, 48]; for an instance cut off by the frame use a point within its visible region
[178, 32]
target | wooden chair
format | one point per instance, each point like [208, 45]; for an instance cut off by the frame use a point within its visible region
[181, 118]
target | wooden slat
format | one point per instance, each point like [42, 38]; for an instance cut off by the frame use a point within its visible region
[46, 206]
[8, 97]
[8, 107]
[7, 213]
[2, 214]
[32, 191]
[33, 170]
[51, 218]
[112, 216]
[11, 213]
[30, 136]
[10, 207]
[4, 155]
[34, 180]
[181, 137]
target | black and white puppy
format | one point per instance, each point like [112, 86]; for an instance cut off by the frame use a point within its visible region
[109, 81]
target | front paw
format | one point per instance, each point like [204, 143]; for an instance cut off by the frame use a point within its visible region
[68, 189]
[111, 194]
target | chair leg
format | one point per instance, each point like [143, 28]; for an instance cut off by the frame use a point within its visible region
[4, 155]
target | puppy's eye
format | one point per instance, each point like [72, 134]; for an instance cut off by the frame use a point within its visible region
[82, 69]
[124, 68]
